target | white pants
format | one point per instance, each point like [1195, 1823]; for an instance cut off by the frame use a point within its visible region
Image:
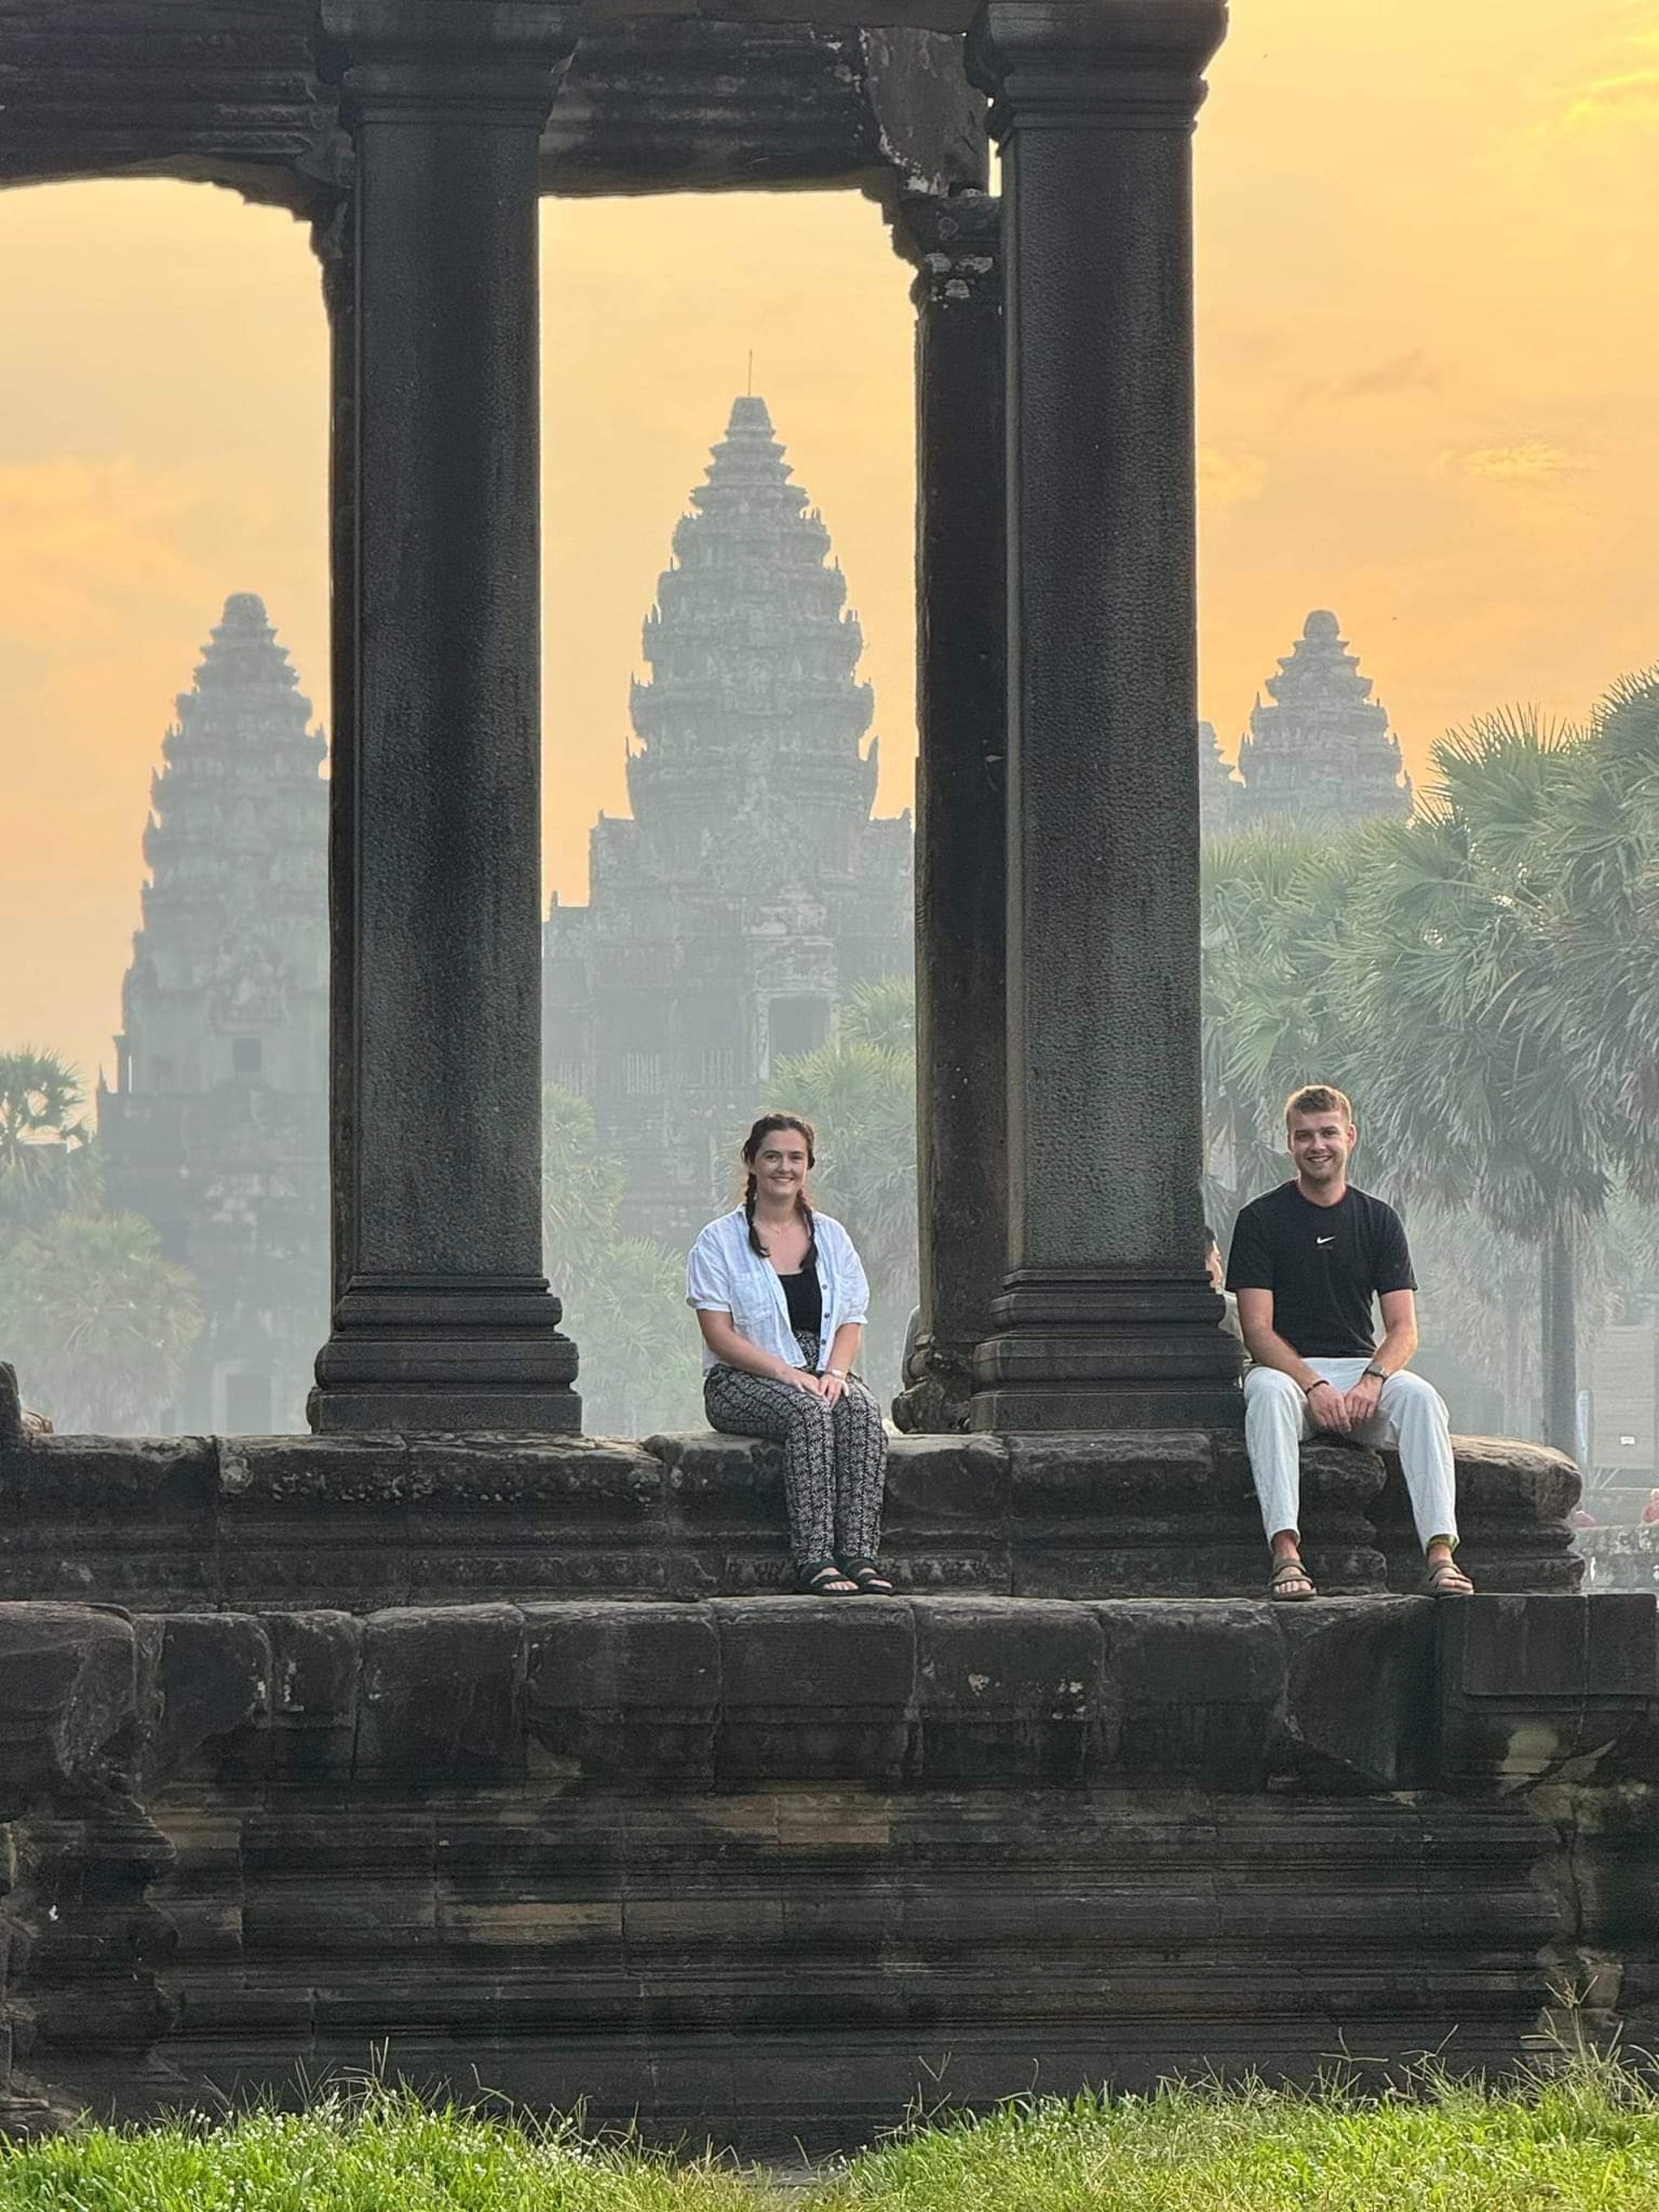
[1411, 1416]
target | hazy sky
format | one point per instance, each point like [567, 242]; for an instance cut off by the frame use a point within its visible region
[1428, 307]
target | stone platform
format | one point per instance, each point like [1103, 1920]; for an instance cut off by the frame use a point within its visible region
[496, 1755]
[373, 1520]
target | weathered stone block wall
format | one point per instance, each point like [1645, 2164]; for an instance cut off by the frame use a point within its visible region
[764, 1866]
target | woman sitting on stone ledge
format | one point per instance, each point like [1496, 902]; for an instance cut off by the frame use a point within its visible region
[781, 1297]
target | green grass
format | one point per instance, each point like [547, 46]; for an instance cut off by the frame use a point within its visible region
[1583, 2140]
[1588, 2140]
[375, 2150]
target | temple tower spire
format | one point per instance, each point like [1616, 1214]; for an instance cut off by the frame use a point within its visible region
[1220, 792]
[753, 700]
[751, 890]
[1322, 751]
[217, 1128]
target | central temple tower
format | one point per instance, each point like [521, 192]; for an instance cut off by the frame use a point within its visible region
[751, 890]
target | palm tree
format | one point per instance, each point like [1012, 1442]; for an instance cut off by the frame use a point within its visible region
[97, 1321]
[39, 1096]
[1454, 977]
[1480, 1307]
[861, 1099]
[639, 1363]
[1604, 844]
[881, 1012]
[626, 1293]
[44, 1145]
[1275, 918]
[582, 1191]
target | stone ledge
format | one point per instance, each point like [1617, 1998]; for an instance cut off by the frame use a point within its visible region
[1333, 1696]
[362, 1522]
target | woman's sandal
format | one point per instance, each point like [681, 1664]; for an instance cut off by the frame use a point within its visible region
[1285, 1571]
[1445, 1579]
[823, 1579]
[867, 1577]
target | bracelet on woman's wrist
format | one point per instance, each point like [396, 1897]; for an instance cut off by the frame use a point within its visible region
[840, 1373]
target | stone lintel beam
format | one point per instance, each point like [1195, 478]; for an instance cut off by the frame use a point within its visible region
[442, 1316]
[1107, 1319]
[955, 242]
[674, 103]
[228, 93]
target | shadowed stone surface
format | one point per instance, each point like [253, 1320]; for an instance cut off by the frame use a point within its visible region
[358, 1523]
[762, 1867]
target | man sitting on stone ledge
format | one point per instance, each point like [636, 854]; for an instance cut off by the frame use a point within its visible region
[1306, 1261]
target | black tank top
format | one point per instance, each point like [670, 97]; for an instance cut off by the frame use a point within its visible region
[803, 1296]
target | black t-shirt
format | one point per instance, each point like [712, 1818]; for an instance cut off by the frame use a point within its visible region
[1323, 1265]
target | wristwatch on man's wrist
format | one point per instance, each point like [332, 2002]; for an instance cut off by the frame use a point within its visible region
[1381, 1374]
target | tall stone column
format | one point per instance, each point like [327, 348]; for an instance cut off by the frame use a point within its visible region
[334, 242]
[960, 702]
[1106, 1321]
[442, 1317]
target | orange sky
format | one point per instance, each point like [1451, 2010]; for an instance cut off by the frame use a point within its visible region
[1429, 319]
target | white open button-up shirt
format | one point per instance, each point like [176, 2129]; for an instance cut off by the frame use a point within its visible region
[725, 1274]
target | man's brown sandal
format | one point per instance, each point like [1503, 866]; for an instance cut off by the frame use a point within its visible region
[1285, 1571]
[1445, 1579]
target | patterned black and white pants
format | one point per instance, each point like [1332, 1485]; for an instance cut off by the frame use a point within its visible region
[835, 1457]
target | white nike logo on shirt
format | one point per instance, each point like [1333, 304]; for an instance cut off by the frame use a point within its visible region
[1325, 1240]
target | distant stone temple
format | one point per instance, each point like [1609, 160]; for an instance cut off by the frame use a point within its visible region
[751, 890]
[217, 1129]
[1220, 792]
[1321, 752]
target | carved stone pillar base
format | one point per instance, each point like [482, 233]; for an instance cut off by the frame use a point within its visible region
[937, 1396]
[1075, 1349]
[412, 1358]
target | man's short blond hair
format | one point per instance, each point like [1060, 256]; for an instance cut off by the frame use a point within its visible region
[1319, 1098]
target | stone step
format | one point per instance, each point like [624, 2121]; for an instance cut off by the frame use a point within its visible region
[365, 1522]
